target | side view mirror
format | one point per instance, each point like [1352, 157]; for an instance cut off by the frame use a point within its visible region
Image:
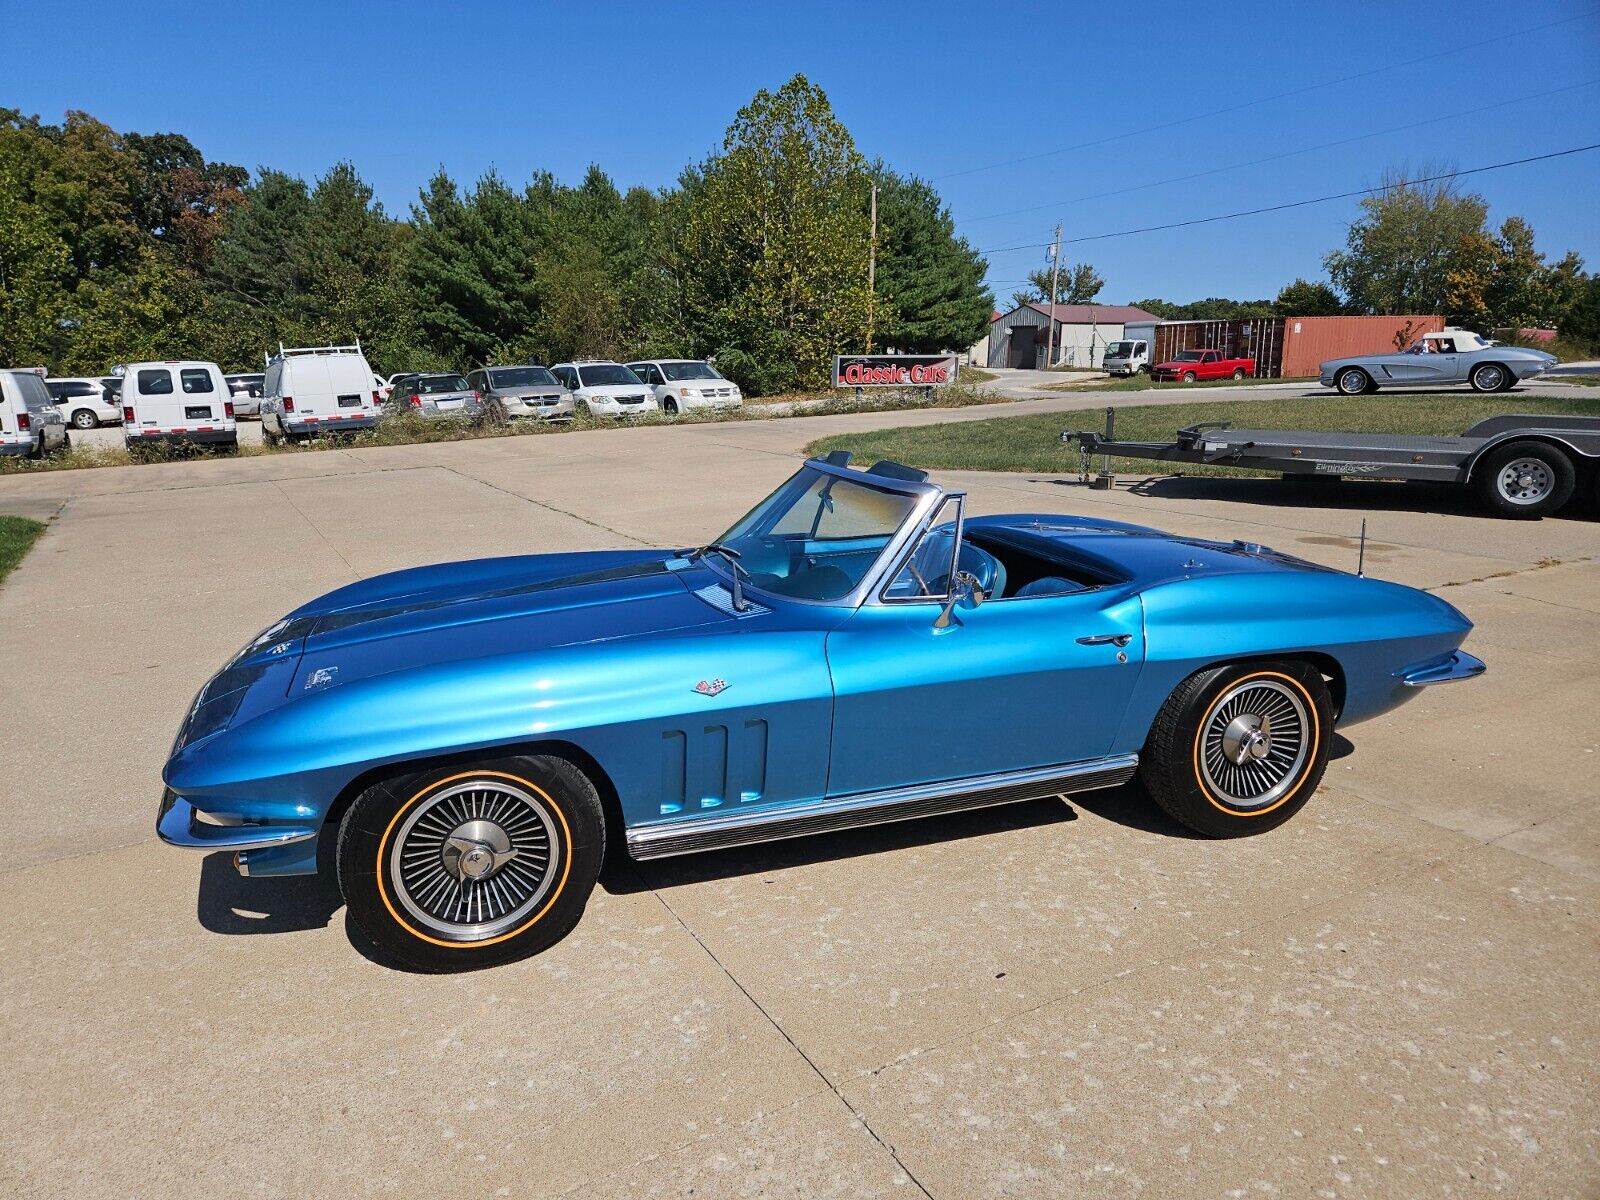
[964, 590]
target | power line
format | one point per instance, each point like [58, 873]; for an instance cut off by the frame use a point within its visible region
[1271, 208]
[1139, 187]
[1496, 41]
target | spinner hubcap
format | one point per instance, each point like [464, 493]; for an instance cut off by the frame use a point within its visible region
[1254, 743]
[473, 860]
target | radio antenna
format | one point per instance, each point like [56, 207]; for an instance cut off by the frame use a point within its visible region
[1361, 552]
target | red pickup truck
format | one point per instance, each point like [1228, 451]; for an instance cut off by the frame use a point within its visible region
[1191, 365]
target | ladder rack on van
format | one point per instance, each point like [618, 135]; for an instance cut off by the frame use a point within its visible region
[286, 351]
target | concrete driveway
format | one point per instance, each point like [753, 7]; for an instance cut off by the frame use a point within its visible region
[1393, 995]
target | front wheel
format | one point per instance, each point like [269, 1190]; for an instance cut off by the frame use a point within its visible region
[1353, 381]
[1239, 749]
[459, 867]
[670, 407]
[1489, 377]
[1188, 376]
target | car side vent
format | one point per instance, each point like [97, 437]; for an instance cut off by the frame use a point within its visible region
[712, 766]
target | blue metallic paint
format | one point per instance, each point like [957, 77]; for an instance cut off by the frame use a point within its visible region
[603, 651]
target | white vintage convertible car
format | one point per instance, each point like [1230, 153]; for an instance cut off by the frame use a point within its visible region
[1450, 356]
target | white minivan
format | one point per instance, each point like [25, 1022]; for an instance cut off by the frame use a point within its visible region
[182, 402]
[318, 389]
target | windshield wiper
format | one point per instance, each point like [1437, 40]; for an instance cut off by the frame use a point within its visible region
[730, 556]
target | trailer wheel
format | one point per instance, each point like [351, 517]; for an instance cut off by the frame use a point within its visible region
[1525, 479]
[1353, 381]
[1489, 377]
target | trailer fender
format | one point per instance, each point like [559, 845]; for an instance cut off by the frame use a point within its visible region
[1579, 457]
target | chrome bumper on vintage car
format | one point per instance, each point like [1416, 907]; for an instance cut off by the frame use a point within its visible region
[178, 823]
[1460, 665]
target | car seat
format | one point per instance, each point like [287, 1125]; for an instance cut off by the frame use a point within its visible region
[932, 563]
[1049, 585]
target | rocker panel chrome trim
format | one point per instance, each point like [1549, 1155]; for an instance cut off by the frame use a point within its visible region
[698, 834]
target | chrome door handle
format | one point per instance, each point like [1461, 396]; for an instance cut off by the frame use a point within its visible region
[1106, 639]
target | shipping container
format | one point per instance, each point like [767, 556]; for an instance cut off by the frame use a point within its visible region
[1260, 338]
[1311, 341]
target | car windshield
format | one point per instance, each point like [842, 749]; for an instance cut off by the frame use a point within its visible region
[601, 374]
[816, 537]
[511, 377]
[1191, 356]
[1118, 349]
[432, 385]
[678, 371]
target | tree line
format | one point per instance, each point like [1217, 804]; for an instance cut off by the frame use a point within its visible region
[1416, 248]
[122, 246]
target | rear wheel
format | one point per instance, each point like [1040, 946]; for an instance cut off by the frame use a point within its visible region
[1238, 372]
[1525, 479]
[459, 867]
[1489, 377]
[84, 419]
[1239, 749]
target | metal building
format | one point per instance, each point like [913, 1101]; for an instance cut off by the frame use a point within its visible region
[1020, 337]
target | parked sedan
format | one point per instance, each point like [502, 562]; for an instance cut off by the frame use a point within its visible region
[85, 403]
[1450, 356]
[682, 384]
[470, 738]
[527, 391]
[443, 395]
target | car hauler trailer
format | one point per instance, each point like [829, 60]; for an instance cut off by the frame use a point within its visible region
[1521, 465]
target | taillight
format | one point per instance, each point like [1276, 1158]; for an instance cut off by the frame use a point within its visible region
[288, 404]
[227, 408]
[476, 398]
[127, 412]
[24, 421]
[375, 398]
[416, 401]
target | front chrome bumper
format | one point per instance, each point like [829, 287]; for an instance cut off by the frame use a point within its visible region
[1460, 665]
[178, 823]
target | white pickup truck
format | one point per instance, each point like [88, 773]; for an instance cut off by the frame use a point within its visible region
[1127, 357]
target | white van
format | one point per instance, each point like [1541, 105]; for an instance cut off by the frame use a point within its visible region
[183, 402]
[30, 424]
[318, 389]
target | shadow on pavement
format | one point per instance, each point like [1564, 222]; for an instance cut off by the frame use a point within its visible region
[229, 903]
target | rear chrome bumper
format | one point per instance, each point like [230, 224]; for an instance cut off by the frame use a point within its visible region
[1458, 666]
[178, 823]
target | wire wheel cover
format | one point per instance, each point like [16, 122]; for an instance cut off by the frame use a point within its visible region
[1254, 743]
[474, 859]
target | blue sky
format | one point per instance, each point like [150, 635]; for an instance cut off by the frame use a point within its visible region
[936, 89]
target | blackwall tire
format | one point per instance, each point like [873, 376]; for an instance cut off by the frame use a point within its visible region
[1239, 749]
[84, 419]
[1525, 480]
[471, 865]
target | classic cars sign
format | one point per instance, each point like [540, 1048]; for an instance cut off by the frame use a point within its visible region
[893, 370]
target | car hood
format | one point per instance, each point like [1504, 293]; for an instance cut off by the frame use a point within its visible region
[530, 601]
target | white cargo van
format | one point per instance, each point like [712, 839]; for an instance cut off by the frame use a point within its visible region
[30, 423]
[318, 389]
[183, 402]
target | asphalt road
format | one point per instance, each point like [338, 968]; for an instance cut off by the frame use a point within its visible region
[1392, 995]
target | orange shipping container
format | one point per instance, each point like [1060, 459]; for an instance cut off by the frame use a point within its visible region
[1311, 341]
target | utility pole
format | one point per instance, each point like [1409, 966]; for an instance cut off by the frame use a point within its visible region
[1055, 270]
[872, 271]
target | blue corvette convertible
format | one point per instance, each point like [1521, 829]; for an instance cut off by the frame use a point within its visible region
[854, 650]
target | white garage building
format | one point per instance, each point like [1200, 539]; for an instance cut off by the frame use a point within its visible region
[1019, 338]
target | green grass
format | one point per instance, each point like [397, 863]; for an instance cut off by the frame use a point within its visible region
[1032, 443]
[1143, 383]
[17, 535]
[972, 376]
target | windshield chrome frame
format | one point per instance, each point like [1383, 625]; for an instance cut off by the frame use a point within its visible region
[927, 497]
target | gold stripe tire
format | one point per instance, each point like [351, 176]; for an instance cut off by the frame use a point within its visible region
[471, 863]
[1240, 748]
